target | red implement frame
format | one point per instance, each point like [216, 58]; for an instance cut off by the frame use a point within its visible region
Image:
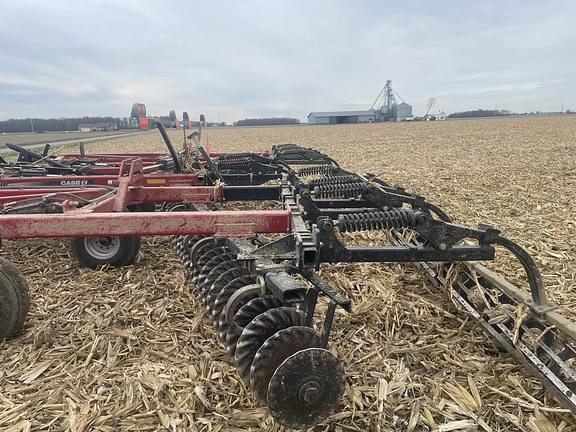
[78, 224]
[97, 211]
[103, 180]
[112, 165]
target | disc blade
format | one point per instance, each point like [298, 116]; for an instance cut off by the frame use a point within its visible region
[209, 272]
[306, 388]
[245, 314]
[274, 351]
[204, 259]
[221, 282]
[261, 328]
[222, 300]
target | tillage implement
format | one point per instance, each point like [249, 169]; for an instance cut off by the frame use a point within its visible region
[256, 272]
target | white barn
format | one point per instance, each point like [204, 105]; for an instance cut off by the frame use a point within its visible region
[340, 117]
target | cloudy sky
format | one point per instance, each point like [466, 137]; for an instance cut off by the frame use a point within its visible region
[237, 59]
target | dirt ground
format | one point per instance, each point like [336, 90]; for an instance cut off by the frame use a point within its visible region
[129, 349]
[26, 138]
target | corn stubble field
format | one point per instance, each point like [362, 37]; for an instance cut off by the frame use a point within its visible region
[130, 349]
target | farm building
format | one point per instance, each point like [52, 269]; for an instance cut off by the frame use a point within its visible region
[97, 127]
[385, 108]
[403, 112]
[400, 112]
[339, 117]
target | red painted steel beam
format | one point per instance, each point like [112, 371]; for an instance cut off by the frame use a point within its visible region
[195, 194]
[107, 203]
[149, 158]
[20, 195]
[105, 180]
[120, 156]
[121, 198]
[92, 156]
[47, 191]
[54, 181]
[76, 224]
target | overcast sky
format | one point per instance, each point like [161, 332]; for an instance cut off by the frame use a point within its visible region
[254, 58]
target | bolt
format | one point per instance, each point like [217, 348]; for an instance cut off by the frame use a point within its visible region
[310, 392]
[442, 246]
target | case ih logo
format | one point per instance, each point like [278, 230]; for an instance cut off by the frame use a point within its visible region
[74, 182]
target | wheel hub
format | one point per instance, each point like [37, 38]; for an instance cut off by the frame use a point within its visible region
[310, 392]
[102, 248]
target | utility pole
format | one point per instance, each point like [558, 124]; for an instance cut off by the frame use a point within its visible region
[31, 125]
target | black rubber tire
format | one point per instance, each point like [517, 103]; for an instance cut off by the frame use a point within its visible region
[126, 254]
[14, 299]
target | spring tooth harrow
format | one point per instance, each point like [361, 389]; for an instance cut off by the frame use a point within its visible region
[259, 291]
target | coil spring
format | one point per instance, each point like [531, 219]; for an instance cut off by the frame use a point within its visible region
[235, 163]
[396, 218]
[345, 190]
[317, 170]
[332, 179]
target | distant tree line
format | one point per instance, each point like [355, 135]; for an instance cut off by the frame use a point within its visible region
[480, 113]
[267, 121]
[50, 125]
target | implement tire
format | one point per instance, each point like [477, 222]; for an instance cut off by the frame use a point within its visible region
[14, 299]
[97, 251]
